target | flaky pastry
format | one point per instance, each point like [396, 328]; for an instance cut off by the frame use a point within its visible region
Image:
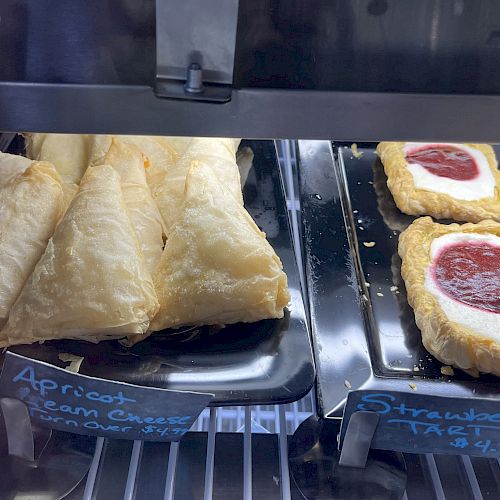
[392, 216]
[69, 153]
[219, 154]
[448, 341]
[144, 215]
[92, 282]
[414, 201]
[244, 159]
[11, 166]
[217, 266]
[30, 207]
[157, 156]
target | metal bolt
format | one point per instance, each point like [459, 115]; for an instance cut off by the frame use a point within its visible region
[194, 81]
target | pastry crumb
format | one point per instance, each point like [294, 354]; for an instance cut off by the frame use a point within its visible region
[354, 149]
[447, 370]
[348, 384]
[367, 284]
[380, 294]
[413, 386]
[369, 244]
[75, 362]
[355, 211]
[393, 289]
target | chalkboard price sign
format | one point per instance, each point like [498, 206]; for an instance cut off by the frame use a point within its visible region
[420, 423]
[77, 403]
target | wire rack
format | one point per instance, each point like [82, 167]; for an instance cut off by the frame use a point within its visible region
[251, 465]
[204, 465]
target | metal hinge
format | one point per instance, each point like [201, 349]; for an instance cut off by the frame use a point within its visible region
[195, 47]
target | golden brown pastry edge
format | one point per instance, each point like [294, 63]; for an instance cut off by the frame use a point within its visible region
[448, 341]
[414, 201]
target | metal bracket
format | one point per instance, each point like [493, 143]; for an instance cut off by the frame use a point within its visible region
[195, 47]
[358, 438]
[24, 440]
[39, 463]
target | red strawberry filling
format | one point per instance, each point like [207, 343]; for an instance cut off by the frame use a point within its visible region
[470, 273]
[444, 161]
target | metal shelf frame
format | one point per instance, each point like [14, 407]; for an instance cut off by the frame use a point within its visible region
[251, 113]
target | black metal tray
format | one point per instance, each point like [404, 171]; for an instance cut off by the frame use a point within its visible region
[266, 362]
[363, 329]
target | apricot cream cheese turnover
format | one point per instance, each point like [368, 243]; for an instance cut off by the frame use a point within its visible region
[121, 236]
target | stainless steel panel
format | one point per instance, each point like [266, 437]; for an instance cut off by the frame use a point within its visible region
[440, 46]
[362, 70]
[256, 113]
[196, 31]
[110, 41]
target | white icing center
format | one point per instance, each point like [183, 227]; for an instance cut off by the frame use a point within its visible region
[482, 186]
[483, 322]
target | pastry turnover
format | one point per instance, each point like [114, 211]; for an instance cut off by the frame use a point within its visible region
[30, 206]
[244, 159]
[443, 194]
[11, 166]
[128, 161]
[157, 156]
[217, 266]
[69, 153]
[92, 282]
[69, 191]
[179, 145]
[460, 317]
[175, 145]
[219, 154]
[160, 152]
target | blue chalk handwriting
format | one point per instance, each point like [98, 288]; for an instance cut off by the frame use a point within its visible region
[75, 406]
[469, 429]
[121, 416]
[383, 404]
[164, 431]
[45, 385]
[460, 443]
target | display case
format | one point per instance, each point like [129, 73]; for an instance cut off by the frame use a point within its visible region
[311, 87]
